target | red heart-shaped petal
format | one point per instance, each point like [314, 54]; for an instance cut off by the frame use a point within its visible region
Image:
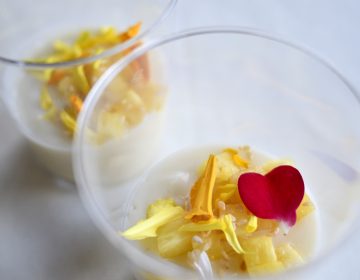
[276, 195]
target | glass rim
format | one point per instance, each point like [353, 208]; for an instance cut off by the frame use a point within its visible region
[136, 255]
[109, 52]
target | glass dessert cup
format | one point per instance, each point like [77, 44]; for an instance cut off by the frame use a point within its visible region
[225, 87]
[27, 52]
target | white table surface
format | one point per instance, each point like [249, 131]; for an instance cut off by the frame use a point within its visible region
[45, 232]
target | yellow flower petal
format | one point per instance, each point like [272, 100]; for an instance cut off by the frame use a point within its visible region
[231, 151]
[212, 224]
[96, 64]
[83, 37]
[80, 79]
[68, 121]
[134, 30]
[60, 46]
[76, 103]
[252, 224]
[159, 205]
[224, 224]
[202, 193]
[147, 228]
[230, 234]
[239, 161]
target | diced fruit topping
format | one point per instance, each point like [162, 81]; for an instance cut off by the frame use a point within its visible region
[228, 228]
[64, 90]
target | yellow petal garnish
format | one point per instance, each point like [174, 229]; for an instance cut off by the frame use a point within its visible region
[60, 46]
[83, 37]
[96, 64]
[229, 231]
[80, 79]
[231, 151]
[224, 224]
[76, 103]
[134, 30]
[252, 224]
[159, 205]
[239, 161]
[212, 224]
[202, 193]
[68, 121]
[147, 228]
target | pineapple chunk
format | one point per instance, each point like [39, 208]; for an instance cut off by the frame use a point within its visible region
[174, 244]
[110, 125]
[259, 250]
[171, 242]
[227, 170]
[266, 227]
[267, 268]
[223, 192]
[219, 245]
[260, 255]
[222, 255]
[288, 255]
[305, 208]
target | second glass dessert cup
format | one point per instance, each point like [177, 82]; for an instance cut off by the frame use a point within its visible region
[221, 87]
[50, 55]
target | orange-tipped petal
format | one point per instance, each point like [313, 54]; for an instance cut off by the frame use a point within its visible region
[202, 193]
[134, 30]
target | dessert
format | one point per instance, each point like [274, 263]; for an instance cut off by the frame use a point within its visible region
[238, 213]
[132, 101]
[64, 90]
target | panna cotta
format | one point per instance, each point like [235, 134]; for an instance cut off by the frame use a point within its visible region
[199, 208]
[49, 101]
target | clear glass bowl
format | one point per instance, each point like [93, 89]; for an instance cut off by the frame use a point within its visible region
[225, 86]
[32, 28]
